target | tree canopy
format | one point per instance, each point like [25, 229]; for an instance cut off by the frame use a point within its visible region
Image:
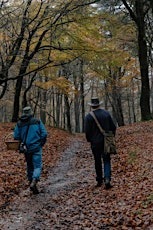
[63, 53]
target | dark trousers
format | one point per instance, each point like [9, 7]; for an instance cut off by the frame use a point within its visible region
[101, 159]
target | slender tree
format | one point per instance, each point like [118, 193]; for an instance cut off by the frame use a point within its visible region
[30, 28]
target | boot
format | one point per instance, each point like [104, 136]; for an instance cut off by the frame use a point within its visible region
[108, 184]
[99, 184]
[33, 186]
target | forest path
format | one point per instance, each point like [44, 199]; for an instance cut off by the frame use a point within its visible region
[68, 199]
[30, 211]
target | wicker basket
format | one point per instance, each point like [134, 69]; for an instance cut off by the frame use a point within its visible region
[11, 144]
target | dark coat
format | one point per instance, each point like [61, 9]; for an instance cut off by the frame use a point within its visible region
[92, 132]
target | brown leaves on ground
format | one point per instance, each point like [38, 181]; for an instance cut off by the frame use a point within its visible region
[128, 205]
[13, 166]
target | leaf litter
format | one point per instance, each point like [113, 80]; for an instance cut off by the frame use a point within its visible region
[68, 198]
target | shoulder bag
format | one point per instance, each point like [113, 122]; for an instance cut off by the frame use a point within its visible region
[109, 138]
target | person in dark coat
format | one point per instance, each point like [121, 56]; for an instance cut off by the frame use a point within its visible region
[96, 138]
[35, 140]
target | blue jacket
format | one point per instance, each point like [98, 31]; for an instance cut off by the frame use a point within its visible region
[37, 133]
[92, 131]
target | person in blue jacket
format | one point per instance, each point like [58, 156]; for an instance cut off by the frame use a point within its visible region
[35, 139]
[96, 138]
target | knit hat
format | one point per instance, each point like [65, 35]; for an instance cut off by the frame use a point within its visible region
[27, 110]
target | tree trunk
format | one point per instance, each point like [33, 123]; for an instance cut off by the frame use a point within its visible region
[76, 82]
[133, 103]
[129, 108]
[43, 106]
[117, 107]
[82, 95]
[139, 17]
[77, 114]
[58, 105]
[17, 99]
[67, 107]
[143, 59]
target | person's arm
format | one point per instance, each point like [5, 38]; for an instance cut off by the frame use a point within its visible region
[16, 134]
[43, 133]
[87, 129]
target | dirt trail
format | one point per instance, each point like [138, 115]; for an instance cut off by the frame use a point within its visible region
[32, 211]
[68, 199]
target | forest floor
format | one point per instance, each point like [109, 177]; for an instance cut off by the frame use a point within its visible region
[68, 199]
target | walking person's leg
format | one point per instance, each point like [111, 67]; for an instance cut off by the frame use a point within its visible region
[98, 164]
[107, 169]
[29, 166]
[37, 165]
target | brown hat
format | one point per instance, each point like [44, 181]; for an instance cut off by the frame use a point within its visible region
[95, 102]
